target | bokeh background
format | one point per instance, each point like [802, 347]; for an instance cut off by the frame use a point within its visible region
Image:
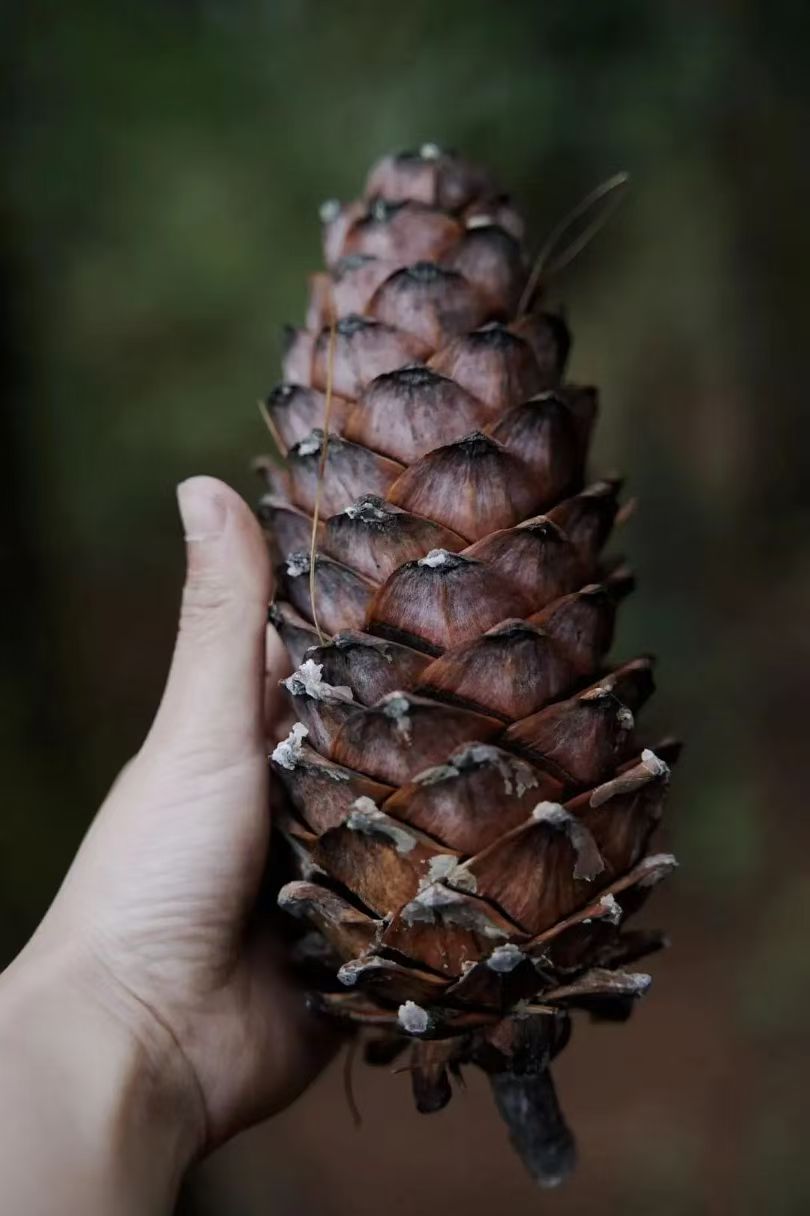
[163, 163]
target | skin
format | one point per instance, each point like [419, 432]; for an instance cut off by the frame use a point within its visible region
[150, 1017]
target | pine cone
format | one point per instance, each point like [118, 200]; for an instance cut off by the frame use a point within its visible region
[466, 796]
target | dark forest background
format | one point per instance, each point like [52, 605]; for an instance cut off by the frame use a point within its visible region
[162, 168]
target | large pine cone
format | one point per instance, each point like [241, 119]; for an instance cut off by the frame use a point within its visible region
[468, 802]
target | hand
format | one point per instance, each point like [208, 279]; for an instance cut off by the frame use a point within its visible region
[151, 941]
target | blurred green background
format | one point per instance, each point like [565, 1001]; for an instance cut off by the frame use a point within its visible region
[163, 166]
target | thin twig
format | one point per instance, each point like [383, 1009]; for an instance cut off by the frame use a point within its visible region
[327, 413]
[267, 419]
[348, 1081]
[546, 264]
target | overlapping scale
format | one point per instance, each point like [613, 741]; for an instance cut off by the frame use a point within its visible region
[473, 486]
[371, 667]
[376, 537]
[442, 600]
[409, 412]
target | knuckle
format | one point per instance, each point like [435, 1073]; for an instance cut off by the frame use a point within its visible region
[210, 605]
[205, 600]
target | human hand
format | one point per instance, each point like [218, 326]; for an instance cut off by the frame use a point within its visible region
[150, 956]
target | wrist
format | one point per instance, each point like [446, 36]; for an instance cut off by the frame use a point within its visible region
[99, 1087]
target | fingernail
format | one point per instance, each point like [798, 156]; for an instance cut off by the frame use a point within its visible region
[202, 508]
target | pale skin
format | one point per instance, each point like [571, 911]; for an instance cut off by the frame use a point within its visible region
[150, 1017]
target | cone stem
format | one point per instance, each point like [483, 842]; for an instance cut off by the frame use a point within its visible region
[538, 1132]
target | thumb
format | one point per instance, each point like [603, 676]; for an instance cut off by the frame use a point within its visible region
[213, 702]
